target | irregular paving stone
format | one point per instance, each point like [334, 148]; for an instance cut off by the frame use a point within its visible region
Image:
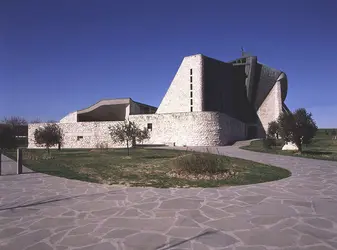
[216, 239]
[52, 223]
[78, 240]
[22, 241]
[316, 232]
[186, 222]
[120, 233]
[251, 248]
[297, 203]
[325, 206]
[181, 203]
[159, 224]
[99, 246]
[83, 230]
[93, 206]
[267, 237]
[145, 241]
[40, 246]
[178, 243]
[266, 220]
[194, 215]
[230, 224]
[320, 223]
[10, 232]
[213, 213]
[146, 206]
[307, 240]
[184, 232]
[252, 199]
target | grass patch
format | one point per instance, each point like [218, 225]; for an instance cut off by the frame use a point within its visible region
[323, 147]
[149, 167]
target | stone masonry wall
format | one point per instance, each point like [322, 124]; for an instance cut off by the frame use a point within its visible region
[190, 129]
[178, 96]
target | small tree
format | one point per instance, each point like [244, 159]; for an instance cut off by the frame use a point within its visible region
[48, 136]
[143, 135]
[124, 132]
[273, 130]
[298, 127]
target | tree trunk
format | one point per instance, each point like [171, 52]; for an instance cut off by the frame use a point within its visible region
[127, 145]
[48, 150]
[59, 147]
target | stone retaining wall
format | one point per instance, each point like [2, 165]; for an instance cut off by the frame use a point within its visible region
[190, 129]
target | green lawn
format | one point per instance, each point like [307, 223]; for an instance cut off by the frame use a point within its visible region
[145, 167]
[322, 147]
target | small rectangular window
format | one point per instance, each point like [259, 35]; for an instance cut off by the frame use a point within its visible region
[191, 87]
[149, 126]
[191, 101]
[191, 109]
[79, 137]
[190, 78]
[191, 71]
[191, 94]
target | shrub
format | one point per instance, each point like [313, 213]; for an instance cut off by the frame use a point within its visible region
[268, 143]
[201, 163]
[273, 129]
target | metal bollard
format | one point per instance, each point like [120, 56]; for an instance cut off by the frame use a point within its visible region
[19, 161]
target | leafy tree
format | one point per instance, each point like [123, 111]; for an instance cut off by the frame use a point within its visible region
[143, 135]
[15, 121]
[126, 131]
[7, 137]
[273, 130]
[298, 127]
[326, 132]
[48, 136]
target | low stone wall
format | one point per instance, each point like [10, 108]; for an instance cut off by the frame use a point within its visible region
[190, 129]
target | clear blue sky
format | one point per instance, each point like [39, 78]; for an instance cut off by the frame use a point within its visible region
[63, 55]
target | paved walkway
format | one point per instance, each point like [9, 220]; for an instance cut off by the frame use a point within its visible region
[38, 211]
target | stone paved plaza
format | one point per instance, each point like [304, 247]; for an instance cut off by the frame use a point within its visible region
[38, 212]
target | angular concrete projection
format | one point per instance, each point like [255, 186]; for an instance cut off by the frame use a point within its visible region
[208, 103]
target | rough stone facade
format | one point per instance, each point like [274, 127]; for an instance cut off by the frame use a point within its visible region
[178, 96]
[189, 128]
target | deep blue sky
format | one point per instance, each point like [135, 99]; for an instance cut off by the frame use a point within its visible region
[63, 55]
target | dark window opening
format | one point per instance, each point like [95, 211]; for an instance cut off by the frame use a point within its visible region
[191, 101]
[191, 94]
[191, 86]
[191, 71]
[191, 109]
[79, 137]
[149, 126]
[190, 78]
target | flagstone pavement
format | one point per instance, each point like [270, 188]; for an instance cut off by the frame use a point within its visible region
[39, 212]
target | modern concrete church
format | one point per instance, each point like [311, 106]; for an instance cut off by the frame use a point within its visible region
[209, 103]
